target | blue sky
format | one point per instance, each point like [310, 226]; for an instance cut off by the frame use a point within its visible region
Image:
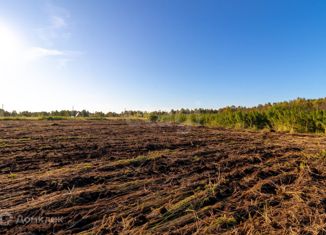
[163, 54]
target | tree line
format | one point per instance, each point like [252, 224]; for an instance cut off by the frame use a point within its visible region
[299, 115]
[74, 113]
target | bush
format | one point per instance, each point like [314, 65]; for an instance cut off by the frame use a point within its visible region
[153, 117]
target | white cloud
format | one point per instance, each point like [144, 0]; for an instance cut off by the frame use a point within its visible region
[38, 52]
[57, 27]
[58, 22]
[61, 58]
[57, 30]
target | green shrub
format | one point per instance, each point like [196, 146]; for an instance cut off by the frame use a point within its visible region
[299, 115]
[153, 117]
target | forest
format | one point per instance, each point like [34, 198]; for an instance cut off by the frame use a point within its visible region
[299, 115]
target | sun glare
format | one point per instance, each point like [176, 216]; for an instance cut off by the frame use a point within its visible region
[10, 46]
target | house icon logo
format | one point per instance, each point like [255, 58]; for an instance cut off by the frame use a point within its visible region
[5, 218]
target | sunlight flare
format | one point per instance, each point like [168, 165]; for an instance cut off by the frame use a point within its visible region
[11, 46]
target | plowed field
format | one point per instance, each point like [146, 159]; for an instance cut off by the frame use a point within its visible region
[134, 177]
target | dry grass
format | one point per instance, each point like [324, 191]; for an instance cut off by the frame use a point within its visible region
[117, 177]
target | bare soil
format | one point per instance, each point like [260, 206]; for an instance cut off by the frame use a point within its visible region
[134, 177]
